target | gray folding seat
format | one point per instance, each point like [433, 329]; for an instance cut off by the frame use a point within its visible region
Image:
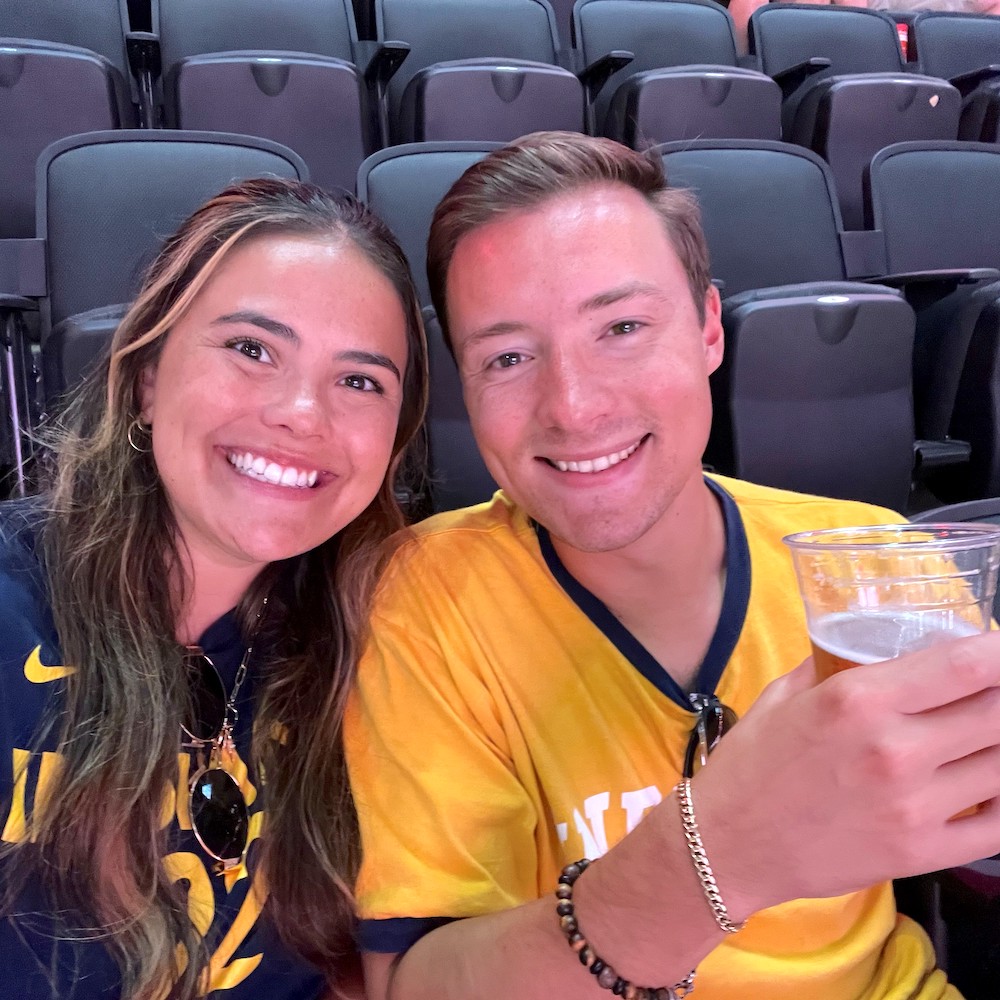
[814, 392]
[965, 49]
[936, 207]
[101, 27]
[487, 70]
[49, 91]
[106, 200]
[684, 81]
[403, 185]
[458, 475]
[847, 91]
[292, 71]
[63, 70]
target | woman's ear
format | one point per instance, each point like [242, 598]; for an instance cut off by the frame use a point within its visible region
[147, 386]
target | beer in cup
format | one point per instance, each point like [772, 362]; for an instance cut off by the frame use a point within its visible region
[873, 593]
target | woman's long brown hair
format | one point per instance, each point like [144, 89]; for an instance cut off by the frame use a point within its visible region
[110, 548]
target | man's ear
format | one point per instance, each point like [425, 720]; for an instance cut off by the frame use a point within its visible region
[711, 331]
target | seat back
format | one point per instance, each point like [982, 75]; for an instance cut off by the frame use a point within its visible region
[193, 27]
[48, 91]
[107, 200]
[937, 204]
[403, 186]
[660, 33]
[855, 41]
[458, 475]
[313, 104]
[446, 30]
[951, 44]
[855, 116]
[816, 392]
[768, 210]
[483, 99]
[98, 25]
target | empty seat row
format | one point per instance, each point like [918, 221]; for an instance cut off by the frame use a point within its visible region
[644, 71]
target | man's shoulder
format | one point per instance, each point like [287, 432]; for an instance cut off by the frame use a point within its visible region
[787, 511]
[497, 524]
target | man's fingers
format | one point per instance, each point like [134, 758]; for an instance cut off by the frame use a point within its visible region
[939, 675]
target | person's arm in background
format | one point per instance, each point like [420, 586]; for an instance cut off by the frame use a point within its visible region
[785, 813]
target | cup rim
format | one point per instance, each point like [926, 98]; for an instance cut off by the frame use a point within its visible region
[942, 536]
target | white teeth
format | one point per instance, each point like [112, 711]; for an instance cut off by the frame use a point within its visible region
[596, 464]
[270, 472]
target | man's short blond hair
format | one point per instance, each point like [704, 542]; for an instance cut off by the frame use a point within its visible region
[530, 170]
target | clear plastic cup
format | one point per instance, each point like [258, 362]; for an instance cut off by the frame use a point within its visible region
[873, 593]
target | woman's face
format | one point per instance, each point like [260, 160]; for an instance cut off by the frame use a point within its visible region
[275, 400]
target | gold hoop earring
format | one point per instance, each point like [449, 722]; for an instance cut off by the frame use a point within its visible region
[138, 427]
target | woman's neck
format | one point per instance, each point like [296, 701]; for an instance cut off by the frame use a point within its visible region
[209, 592]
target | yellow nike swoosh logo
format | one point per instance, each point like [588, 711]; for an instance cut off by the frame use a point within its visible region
[36, 671]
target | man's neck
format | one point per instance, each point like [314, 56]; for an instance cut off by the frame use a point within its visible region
[666, 588]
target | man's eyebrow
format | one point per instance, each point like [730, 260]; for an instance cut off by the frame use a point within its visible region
[619, 294]
[259, 319]
[494, 330]
[369, 358]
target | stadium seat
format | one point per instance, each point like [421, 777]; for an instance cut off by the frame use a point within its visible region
[403, 185]
[292, 71]
[937, 208]
[965, 49]
[105, 202]
[814, 393]
[458, 475]
[49, 91]
[847, 91]
[487, 70]
[684, 81]
[100, 26]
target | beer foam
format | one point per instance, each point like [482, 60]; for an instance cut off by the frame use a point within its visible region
[872, 636]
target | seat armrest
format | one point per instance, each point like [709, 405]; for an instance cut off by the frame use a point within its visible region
[929, 286]
[16, 303]
[146, 65]
[929, 455]
[378, 61]
[597, 74]
[966, 83]
[792, 78]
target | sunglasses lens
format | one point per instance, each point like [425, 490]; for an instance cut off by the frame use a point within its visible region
[208, 698]
[219, 814]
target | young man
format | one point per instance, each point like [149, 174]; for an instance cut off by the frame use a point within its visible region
[526, 700]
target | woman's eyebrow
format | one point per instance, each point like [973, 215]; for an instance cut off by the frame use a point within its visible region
[274, 326]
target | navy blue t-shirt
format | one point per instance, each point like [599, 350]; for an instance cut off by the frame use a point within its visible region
[248, 959]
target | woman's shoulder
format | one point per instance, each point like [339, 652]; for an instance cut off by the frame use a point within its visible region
[20, 524]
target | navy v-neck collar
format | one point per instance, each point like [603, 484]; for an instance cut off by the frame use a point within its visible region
[735, 598]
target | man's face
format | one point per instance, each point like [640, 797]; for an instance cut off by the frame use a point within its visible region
[584, 364]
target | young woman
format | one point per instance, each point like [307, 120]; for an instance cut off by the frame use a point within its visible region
[182, 605]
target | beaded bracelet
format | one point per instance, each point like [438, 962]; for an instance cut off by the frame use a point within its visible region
[606, 976]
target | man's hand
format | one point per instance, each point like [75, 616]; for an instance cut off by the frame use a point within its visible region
[826, 788]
